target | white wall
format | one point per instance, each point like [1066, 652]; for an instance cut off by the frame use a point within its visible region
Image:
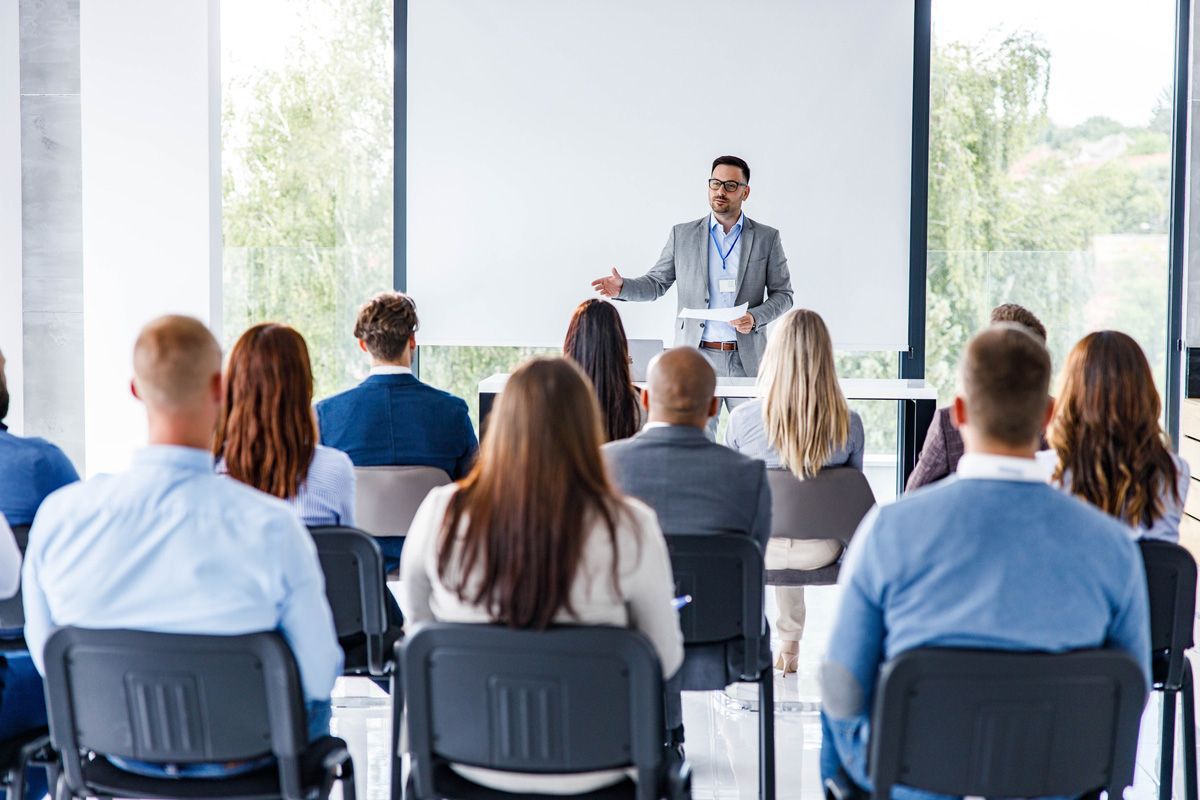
[10, 209]
[151, 194]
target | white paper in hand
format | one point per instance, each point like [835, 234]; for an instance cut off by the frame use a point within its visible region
[715, 314]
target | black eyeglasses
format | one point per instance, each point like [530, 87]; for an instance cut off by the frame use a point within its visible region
[730, 186]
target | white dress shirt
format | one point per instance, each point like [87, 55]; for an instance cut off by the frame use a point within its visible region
[729, 245]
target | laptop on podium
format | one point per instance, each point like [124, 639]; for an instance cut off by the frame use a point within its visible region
[641, 351]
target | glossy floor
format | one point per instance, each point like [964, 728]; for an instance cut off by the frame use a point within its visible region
[722, 730]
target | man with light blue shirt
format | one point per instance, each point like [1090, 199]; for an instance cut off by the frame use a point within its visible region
[721, 260]
[171, 547]
[990, 558]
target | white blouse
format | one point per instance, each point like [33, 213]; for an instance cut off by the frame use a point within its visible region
[642, 601]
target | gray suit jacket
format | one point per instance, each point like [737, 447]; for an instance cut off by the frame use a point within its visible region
[693, 484]
[696, 486]
[762, 281]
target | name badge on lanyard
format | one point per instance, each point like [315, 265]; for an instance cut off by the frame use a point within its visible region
[724, 285]
[724, 256]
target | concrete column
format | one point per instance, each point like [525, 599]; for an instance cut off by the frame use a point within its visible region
[51, 224]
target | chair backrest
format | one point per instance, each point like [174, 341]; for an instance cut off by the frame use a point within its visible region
[12, 610]
[354, 587]
[173, 698]
[724, 575]
[1005, 724]
[828, 505]
[571, 699]
[1171, 579]
[387, 498]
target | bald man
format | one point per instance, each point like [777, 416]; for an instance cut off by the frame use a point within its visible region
[694, 484]
[213, 556]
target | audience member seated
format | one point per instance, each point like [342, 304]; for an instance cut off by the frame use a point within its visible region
[391, 418]
[801, 423]
[267, 434]
[535, 535]
[692, 483]
[993, 558]
[22, 698]
[171, 547]
[31, 468]
[943, 444]
[1108, 446]
[596, 341]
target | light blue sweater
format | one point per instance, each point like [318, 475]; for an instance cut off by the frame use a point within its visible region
[977, 563]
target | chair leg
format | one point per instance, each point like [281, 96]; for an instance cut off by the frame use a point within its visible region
[1189, 732]
[396, 761]
[766, 734]
[1166, 757]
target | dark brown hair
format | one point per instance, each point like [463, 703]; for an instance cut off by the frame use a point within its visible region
[527, 507]
[266, 433]
[731, 161]
[1106, 432]
[596, 341]
[1006, 383]
[386, 322]
[1011, 312]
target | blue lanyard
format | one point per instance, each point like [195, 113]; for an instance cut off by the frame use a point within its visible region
[713, 233]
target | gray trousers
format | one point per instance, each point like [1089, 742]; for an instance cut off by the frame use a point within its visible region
[727, 364]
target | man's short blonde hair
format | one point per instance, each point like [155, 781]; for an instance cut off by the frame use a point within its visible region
[174, 360]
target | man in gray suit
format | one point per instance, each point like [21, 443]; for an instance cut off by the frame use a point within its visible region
[721, 260]
[695, 486]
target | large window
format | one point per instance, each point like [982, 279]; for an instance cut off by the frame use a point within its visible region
[307, 162]
[1049, 173]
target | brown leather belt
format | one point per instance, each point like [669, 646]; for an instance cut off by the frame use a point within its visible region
[719, 345]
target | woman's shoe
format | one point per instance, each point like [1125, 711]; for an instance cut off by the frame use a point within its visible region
[789, 658]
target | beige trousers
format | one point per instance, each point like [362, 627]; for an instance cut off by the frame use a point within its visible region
[796, 554]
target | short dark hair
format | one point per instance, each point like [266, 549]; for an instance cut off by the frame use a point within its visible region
[386, 322]
[732, 161]
[1006, 383]
[1011, 312]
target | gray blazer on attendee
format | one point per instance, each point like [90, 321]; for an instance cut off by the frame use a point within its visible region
[695, 486]
[763, 282]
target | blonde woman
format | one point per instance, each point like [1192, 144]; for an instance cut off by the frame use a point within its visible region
[800, 423]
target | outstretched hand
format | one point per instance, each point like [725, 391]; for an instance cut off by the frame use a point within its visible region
[609, 286]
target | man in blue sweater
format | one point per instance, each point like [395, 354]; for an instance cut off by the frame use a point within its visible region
[992, 557]
[30, 468]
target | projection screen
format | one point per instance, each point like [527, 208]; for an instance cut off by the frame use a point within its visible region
[551, 140]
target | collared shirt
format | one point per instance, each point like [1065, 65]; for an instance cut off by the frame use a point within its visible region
[391, 369]
[986, 466]
[722, 331]
[326, 495]
[170, 546]
[30, 469]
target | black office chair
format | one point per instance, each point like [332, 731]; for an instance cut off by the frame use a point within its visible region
[566, 700]
[355, 588]
[724, 625]
[12, 610]
[1005, 724]
[172, 698]
[1171, 577]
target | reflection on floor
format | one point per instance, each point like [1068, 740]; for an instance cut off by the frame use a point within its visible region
[722, 729]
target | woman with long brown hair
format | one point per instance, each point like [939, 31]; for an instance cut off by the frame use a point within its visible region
[267, 434]
[596, 341]
[536, 535]
[1107, 445]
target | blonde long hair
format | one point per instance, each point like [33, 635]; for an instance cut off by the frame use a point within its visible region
[803, 409]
